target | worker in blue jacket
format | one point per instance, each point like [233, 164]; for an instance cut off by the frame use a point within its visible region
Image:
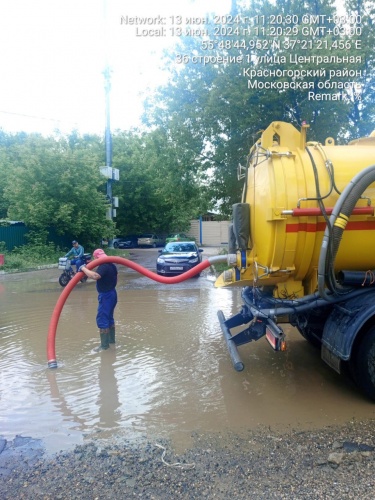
[76, 252]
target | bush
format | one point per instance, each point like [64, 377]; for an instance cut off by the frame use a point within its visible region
[30, 256]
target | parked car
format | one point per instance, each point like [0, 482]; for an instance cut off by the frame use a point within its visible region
[178, 237]
[150, 240]
[113, 242]
[177, 257]
[129, 241]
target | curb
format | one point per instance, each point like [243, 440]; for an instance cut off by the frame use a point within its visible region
[28, 269]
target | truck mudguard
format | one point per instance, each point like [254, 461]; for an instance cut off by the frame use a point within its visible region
[345, 322]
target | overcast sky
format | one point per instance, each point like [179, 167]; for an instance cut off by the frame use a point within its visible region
[54, 52]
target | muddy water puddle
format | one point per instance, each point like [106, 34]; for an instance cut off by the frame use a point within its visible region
[169, 375]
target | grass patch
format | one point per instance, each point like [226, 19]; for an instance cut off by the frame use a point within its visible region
[29, 256]
[34, 256]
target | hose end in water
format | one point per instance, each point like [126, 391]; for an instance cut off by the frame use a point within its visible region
[52, 363]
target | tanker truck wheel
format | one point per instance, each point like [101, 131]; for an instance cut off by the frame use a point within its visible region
[363, 364]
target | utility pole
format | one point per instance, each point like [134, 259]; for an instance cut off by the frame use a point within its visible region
[111, 174]
[108, 138]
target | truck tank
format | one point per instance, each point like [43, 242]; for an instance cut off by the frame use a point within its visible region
[303, 236]
[290, 190]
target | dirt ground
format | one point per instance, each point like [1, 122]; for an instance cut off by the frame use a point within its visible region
[321, 464]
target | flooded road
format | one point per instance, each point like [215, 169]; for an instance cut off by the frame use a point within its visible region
[169, 375]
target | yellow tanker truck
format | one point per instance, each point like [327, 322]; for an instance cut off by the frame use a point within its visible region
[302, 246]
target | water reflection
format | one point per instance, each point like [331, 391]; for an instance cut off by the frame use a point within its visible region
[169, 374]
[108, 401]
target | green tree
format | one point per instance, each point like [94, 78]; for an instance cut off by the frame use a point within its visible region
[214, 111]
[159, 187]
[7, 144]
[362, 111]
[56, 183]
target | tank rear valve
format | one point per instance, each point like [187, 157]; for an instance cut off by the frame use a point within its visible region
[231, 259]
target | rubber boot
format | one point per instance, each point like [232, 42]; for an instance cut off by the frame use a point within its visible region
[112, 335]
[104, 340]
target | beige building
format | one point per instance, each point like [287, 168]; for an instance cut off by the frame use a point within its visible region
[209, 232]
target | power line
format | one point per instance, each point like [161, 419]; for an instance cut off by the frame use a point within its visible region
[37, 117]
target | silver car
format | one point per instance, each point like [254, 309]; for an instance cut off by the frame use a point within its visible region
[150, 240]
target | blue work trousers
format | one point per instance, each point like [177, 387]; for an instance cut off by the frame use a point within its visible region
[77, 262]
[107, 303]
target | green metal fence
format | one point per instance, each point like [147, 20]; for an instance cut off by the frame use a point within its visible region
[13, 236]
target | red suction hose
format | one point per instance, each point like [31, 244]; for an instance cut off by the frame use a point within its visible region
[51, 355]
